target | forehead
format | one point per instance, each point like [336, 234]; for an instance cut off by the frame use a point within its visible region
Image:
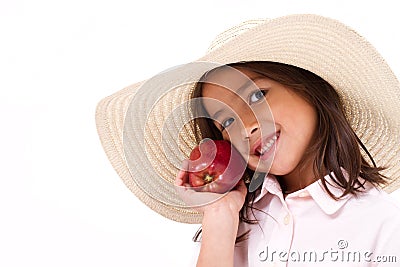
[230, 78]
[227, 83]
[227, 88]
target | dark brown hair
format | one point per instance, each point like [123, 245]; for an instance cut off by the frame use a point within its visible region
[336, 145]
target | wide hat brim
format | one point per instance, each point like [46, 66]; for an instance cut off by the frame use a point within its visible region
[129, 121]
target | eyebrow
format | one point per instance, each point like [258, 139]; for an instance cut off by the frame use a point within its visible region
[247, 84]
[238, 92]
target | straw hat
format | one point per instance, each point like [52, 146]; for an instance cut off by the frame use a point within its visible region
[143, 128]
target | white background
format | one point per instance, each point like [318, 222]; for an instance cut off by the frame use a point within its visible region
[61, 203]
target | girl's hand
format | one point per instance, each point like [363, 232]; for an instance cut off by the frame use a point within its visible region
[220, 219]
[207, 201]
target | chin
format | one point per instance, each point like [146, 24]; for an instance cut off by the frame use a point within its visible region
[262, 166]
[280, 170]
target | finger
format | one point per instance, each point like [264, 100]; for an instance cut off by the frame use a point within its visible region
[185, 165]
[241, 187]
[196, 199]
[182, 176]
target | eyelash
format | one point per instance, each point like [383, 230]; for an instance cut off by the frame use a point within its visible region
[262, 91]
[224, 127]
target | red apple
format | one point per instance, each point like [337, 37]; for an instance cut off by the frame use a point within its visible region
[215, 166]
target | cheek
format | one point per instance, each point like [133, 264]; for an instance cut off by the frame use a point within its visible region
[232, 133]
[226, 136]
[310, 120]
[263, 111]
[236, 139]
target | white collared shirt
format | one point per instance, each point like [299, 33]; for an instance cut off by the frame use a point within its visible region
[309, 228]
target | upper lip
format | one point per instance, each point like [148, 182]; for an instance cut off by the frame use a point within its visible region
[262, 142]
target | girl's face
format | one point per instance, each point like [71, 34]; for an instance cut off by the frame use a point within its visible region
[242, 114]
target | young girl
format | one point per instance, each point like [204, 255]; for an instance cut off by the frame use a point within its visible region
[303, 213]
[311, 106]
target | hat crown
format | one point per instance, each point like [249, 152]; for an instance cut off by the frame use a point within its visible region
[233, 32]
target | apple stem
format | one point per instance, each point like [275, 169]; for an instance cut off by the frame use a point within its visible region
[208, 178]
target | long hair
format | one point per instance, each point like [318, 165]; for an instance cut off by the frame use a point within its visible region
[335, 145]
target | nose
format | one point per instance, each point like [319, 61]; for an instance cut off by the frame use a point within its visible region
[249, 131]
[250, 125]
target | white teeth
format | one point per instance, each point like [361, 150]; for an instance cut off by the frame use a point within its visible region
[267, 146]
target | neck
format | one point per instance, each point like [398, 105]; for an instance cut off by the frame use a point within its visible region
[297, 179]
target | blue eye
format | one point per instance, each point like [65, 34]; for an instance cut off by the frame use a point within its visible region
[256, 96]
[227, 122]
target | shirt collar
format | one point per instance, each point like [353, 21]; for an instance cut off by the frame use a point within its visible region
[322, 197]
[270, 185]
[316, 190]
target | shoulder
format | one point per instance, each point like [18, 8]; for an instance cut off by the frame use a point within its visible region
[379, 197]
[381, 221]
[378, 206]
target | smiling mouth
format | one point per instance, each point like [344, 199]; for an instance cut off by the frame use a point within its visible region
[268, 144]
